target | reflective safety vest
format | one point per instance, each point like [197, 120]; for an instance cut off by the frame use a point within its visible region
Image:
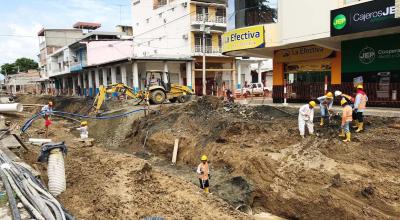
[363, 101]
[347, 114]
[203, 171]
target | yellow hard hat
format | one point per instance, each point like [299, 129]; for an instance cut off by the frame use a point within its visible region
[360, 87]
[204, 158]
[343, 101]
[84, 123]
[329, 95]
[312, 103]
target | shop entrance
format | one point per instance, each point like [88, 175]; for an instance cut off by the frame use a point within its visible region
[302, 86]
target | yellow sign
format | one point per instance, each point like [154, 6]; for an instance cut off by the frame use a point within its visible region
[243, 38]
[310, 66]
[302, 54]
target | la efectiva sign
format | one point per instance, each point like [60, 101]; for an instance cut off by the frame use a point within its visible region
[366, 16]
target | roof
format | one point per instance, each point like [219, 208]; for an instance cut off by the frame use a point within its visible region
[148, 58]
[41, 32]
[87, 25]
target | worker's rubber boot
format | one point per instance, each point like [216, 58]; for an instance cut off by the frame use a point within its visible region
[355, 124]
[342, 133]
[360, 127]
[322, 122]
[206, 190]
[348, 137]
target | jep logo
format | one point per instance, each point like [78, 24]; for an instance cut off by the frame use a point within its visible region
[339, 22]
[367, 55]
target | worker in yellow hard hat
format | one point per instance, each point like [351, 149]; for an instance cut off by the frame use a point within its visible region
[347, 118]
[203, 173]
[325, 103]
[359, 107]
[84, 130]
[306, 117]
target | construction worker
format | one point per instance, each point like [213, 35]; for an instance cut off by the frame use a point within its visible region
[47, 123]
[325, 103]
[306, 117]
[359, 107]
[347, 118]
[47, 109]
[84, 130]
[203, 173]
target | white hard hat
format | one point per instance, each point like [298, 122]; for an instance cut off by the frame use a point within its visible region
[338, 93]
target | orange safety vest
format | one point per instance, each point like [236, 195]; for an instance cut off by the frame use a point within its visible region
[205, 170]
[347, 114]
[363, 101]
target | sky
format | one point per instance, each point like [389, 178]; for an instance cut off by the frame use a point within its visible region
[21, 20]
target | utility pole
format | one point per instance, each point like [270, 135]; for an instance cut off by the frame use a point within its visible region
[204, 51]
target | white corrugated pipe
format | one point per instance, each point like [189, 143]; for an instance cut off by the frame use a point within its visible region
[56, 172]
[11, 107]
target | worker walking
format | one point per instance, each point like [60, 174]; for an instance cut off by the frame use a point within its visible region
[306, 117]
[203, 173]
[84, 130]
[47, 109]
[347, 118]
[359, 107]
[325, 103]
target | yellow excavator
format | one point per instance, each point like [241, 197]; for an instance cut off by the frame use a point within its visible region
[156, 92]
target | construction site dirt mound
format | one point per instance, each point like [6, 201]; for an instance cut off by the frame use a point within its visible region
[268, 167]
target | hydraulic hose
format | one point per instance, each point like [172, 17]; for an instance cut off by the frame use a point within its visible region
[13, 204]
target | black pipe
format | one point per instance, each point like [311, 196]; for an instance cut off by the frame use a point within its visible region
[13, 204]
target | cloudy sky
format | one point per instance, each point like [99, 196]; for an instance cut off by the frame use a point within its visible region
[20, 21]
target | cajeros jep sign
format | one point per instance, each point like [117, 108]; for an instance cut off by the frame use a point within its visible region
[367, 16]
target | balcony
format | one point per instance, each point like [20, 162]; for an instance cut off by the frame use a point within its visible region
[77, 66]
[210, 20]
[210, 50]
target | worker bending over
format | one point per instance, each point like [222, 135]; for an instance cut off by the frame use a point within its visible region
[306, 117]
[84, 130]
[203, 173]
[47, 109]
[359, 107]
[347, 118]
[325, 103]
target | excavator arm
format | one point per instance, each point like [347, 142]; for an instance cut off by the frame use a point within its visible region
[118, 88]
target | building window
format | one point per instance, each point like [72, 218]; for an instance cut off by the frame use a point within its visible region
[198, 38]
[199, 13]
[159, 3]
[243, 13]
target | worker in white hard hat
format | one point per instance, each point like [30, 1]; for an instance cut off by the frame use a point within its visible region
[347, 118]
[203, 172]
[84, 130]
[325, 103]
[359, 107]
[306, 117]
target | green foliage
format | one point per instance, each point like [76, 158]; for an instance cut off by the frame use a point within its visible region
[22, 64]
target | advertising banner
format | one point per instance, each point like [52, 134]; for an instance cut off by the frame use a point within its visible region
[371, 54]
[302, 53]
[366, 16]
[243, 38]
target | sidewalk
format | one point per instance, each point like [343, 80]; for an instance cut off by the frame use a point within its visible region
[371, 111]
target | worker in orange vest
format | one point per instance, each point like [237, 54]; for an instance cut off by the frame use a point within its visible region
[347, 118]
[359, 107]
[203, 172]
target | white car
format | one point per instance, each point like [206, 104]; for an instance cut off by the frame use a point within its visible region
[254, 89]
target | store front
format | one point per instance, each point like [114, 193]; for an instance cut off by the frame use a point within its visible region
[375, 62]
[306, 71]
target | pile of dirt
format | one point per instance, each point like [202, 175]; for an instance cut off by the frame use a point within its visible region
[270, 168]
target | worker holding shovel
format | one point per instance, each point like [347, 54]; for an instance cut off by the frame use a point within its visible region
[203, 172]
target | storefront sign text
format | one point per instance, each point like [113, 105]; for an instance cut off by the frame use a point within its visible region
[243, 38]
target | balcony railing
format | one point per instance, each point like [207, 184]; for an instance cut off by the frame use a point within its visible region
[198, 18]
[208, 49]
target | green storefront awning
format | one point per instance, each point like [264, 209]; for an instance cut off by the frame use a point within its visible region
[371, 54]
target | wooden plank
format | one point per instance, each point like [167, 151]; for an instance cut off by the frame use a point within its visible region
[10, 141]
[175, 152]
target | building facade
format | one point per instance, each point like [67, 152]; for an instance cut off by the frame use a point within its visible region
[322, 45]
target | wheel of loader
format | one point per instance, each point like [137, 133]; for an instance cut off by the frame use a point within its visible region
[158, 96]
[182, 99]
[173, 100]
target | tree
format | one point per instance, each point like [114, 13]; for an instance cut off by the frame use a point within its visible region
[25, 64]
[22, 65]
[8, 68]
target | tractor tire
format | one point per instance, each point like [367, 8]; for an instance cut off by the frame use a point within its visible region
[173, 100]
[157, 97]
[182, 99]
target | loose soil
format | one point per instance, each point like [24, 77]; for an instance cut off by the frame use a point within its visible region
[257, 159]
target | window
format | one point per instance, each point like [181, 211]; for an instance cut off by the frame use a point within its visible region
[243, 13]
[159, 3]
[198, 38]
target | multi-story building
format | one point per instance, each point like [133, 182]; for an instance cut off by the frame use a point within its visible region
[175, 28]
[321, 45]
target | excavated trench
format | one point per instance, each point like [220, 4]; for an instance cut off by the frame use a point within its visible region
[258, 160]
